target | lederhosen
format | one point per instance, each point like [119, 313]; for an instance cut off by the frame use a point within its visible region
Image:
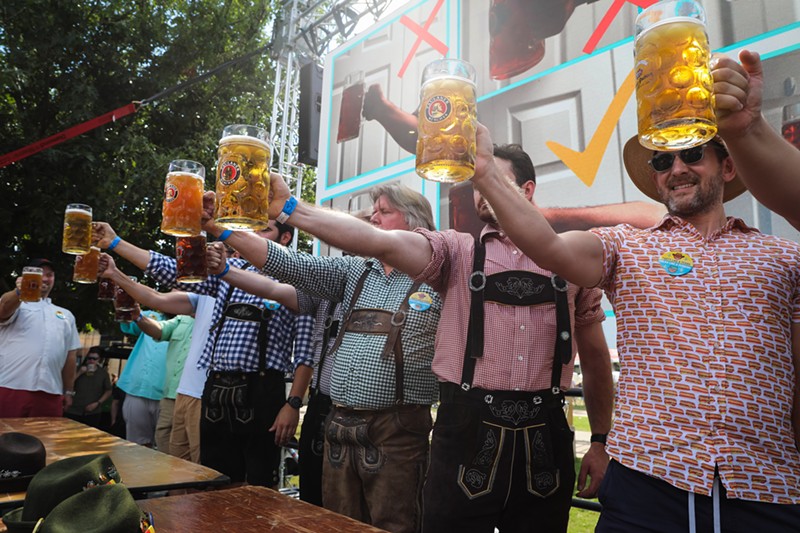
[344, 426]
[504, 413]
[238, 401]
[312, 434]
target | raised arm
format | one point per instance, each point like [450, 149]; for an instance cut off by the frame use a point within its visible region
[637, 214]
[177, 303]
[767, 164]
[105, 236]
[251, 282]
[10, 302]
[577, 256]
[149, 327]
[401, 125]
[404, 250]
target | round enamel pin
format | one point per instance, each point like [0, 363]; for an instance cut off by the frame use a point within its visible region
[420, 301]
[272, 305]
[676, 263]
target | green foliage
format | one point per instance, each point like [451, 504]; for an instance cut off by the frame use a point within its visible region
[62, 63]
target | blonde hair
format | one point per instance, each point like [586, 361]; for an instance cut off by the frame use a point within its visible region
[415, 208]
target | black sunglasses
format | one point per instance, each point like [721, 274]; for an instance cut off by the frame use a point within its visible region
[663, 161]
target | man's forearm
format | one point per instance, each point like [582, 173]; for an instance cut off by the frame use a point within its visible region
[138, 256]
[263, 286]
[149, 327]
[9, 303]
[68, 371]
[302, 379]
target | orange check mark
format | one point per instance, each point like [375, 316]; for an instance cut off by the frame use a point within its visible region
[586, 164]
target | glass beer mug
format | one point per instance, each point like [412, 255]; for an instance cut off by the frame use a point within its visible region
[447, 122]
[31, 287]
[674, 102]
[85, 269]
[516, 44]
[182, 209]
[790, 128]
[190, 256]
[351, 107]
[124, 301]
[77, 239]
[242, 188]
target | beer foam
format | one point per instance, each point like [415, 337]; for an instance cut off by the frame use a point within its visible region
[446, 77]
[185, 173]
[78, 210]
[245, 139]
[672, 20]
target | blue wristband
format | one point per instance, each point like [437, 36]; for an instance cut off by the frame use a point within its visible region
[114, 243]
[288, 209]
[227, 268]
[224, 235]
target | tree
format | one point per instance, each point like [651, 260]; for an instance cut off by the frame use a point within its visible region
[62, 63]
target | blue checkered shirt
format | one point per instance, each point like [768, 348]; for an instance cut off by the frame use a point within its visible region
[237, 345]
[360, 377]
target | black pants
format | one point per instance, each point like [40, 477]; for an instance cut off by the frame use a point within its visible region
[508, 464]
[312, 448]
[633, 501]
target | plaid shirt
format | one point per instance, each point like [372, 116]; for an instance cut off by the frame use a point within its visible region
[237, 346]
[360, 378]
[707, 377]
[321, 308]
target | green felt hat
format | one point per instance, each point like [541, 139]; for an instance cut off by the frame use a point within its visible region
[57, 482]
[106, 509]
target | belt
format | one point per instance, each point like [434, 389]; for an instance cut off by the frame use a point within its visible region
[449, 392]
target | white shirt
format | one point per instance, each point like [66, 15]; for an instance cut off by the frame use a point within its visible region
[193, 379]
[34, 343]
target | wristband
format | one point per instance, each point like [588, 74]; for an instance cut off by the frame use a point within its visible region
[221, 274]
[224, 235]
[18, 293]
[288, 209]
[599, 437]
[69, 393]
[114, 243]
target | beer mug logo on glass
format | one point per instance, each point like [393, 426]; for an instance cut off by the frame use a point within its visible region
[85, 269]
[31, 286]
[447, 122]
[124, 301]
[675, 103]
[106, 289]
[182, 209]
[77, 229]
[242, 197]
[190, 255]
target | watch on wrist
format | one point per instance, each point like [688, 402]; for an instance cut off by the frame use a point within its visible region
[69, 393]
[599, 437]
[295, 402]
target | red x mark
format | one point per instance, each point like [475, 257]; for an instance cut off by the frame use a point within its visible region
[423, 35]
[608, 17]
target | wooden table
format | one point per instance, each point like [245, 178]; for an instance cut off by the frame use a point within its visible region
[245, 509]
[141, 469]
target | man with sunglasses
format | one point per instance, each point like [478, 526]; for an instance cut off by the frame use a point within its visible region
[707, 428]
[92, 389]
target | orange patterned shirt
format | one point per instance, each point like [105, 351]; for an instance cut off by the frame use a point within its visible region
[704, 339]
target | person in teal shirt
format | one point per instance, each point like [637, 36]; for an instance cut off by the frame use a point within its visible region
[142, 380]
[177, 332]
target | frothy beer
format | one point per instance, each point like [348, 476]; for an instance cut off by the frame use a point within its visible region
[31, 287]
[190, 255]
[447, 122]
[85, 269]
[77, 229]
[182, 209]
[242, 198]
[675, 103]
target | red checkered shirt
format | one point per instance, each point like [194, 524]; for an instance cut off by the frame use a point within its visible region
[706, 357]
[519, 341]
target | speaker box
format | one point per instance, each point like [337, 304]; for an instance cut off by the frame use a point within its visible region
[310, 111]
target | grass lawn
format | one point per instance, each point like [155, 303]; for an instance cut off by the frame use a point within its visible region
[581, 520]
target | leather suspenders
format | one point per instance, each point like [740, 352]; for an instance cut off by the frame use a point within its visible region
[518, 288]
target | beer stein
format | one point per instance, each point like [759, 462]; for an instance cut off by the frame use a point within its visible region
[31, 287]
[674, 102]
[106, 289]
[182, 209]
[190, 254]
[85, 269]
[77, 229]
[243, 160]
[351, 107]
[124, 315]
[447, 122]
[516, 43]
[791, 124]
[124, 301]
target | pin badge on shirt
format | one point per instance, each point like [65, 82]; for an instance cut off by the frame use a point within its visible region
[676, 263]
[420, 301]
[61, 315]
[272, 305]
